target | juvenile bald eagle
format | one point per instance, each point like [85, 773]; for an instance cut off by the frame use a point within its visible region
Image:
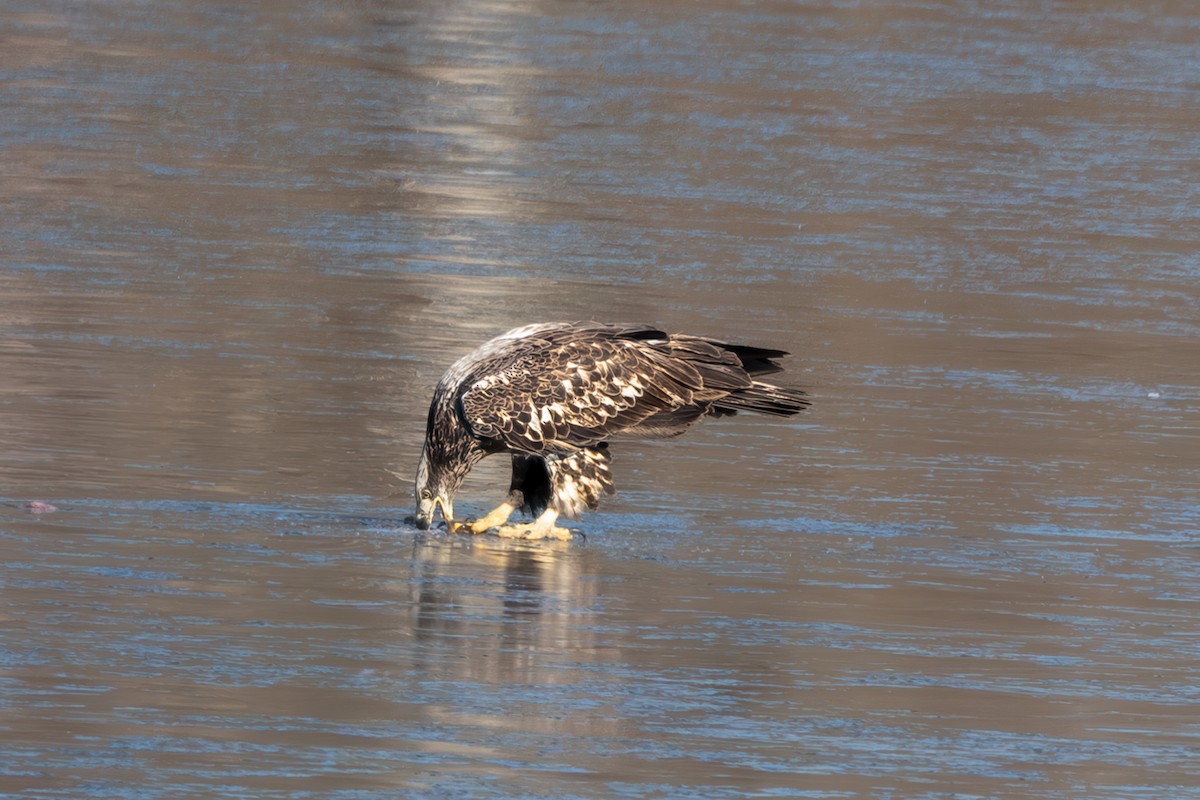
[554, 394]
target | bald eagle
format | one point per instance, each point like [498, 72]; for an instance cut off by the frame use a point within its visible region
[554, 394]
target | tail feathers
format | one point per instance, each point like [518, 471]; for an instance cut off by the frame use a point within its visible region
[755, 360]
[723, 375]
[764, 398]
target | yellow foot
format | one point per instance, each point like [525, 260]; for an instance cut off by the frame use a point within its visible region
[497, 517]
[532, 531]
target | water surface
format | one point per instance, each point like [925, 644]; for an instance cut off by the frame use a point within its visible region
[242, 243]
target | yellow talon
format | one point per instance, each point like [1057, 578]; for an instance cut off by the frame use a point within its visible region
[495, 518]
[541, 528]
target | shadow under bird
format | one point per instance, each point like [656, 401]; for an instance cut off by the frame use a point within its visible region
[554, 394]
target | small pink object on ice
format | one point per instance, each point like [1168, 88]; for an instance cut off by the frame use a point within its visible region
[38, 507]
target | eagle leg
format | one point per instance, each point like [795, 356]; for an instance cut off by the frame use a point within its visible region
[495, 518]
[541, 528]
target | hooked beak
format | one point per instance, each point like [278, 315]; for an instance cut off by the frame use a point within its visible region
[427, 507]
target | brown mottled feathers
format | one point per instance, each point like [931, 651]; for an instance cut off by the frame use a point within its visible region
[555, 388]
[552, 395]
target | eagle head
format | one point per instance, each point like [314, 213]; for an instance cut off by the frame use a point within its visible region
[435, 488]
[448, 455]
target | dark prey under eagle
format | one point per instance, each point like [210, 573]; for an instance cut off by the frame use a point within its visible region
[554, 394]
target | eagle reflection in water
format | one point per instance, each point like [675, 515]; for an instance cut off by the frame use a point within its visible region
[554, 394]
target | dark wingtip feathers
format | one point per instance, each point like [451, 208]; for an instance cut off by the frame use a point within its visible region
[755, 360]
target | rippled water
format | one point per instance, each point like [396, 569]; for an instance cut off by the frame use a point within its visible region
[241, 242]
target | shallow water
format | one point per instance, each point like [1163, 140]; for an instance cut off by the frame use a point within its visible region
[242, 243]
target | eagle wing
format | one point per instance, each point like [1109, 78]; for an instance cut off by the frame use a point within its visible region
[558, 394]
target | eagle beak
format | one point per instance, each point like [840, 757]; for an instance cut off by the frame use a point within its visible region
[427, 508]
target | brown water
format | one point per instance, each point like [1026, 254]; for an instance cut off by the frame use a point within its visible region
[242, 241]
